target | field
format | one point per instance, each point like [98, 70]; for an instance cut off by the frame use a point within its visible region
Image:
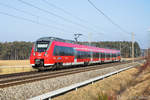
[14, 62]
[14, 66]
[132, 84]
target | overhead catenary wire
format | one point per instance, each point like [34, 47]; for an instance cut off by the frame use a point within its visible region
[70, 14]
[108, 18]
[61, 9]
[19, 10]
[31, 14]
[32, 21]
[35, 22]
[53, 14]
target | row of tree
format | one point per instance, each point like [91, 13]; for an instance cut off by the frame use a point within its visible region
[124, 46]
[21, 50]
[15, 50]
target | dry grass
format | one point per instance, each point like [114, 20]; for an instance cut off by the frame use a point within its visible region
[132, 58]
[132, 84]
[14, 66]
[10, 70]
[14, 62]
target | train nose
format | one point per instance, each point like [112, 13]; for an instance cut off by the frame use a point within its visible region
[39, 54]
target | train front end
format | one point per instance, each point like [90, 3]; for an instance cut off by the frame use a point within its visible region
[40, 54]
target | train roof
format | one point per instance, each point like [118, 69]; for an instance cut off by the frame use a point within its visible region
[56, 39]
[73, 42]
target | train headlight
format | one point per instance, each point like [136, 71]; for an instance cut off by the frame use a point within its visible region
[33, 53]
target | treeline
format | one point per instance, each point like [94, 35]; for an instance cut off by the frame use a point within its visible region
[124, 46]
[21, 50]
[15, 50]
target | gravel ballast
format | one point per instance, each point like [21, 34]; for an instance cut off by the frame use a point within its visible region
[29, 90]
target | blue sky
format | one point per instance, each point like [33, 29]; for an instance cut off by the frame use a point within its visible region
[132, 15]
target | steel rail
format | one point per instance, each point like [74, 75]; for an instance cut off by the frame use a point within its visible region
[32, 78]
[41, 76]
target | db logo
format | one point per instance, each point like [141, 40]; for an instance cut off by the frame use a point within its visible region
[39, 54]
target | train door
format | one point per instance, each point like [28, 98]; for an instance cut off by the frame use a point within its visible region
[91, 54]
[75, 56]
[100, 57]
[105, 56]
[111, 57]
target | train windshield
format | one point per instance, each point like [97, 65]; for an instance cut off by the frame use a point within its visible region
[41, 46]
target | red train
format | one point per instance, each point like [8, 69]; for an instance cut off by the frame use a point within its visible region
[51, 52]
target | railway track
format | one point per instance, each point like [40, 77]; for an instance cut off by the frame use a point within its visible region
[22, 78]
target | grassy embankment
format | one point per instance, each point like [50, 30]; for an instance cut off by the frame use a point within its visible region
[133, 84]
[14, 66]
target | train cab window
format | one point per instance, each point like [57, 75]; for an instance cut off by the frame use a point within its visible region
[41, 46]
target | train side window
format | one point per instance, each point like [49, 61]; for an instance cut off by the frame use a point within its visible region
[83, 55]
[63, 51]
[113, 55]
[107, 55]
[78, 54]
[119, 54]
[95, 55]
[102, 55]
[56, 51]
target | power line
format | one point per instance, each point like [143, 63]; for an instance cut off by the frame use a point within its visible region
[29, 20]
[32, 21]
[67, 12]
[23, 18]
[11, 7]
[108, 18]
[53, 14]
[31, 14]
